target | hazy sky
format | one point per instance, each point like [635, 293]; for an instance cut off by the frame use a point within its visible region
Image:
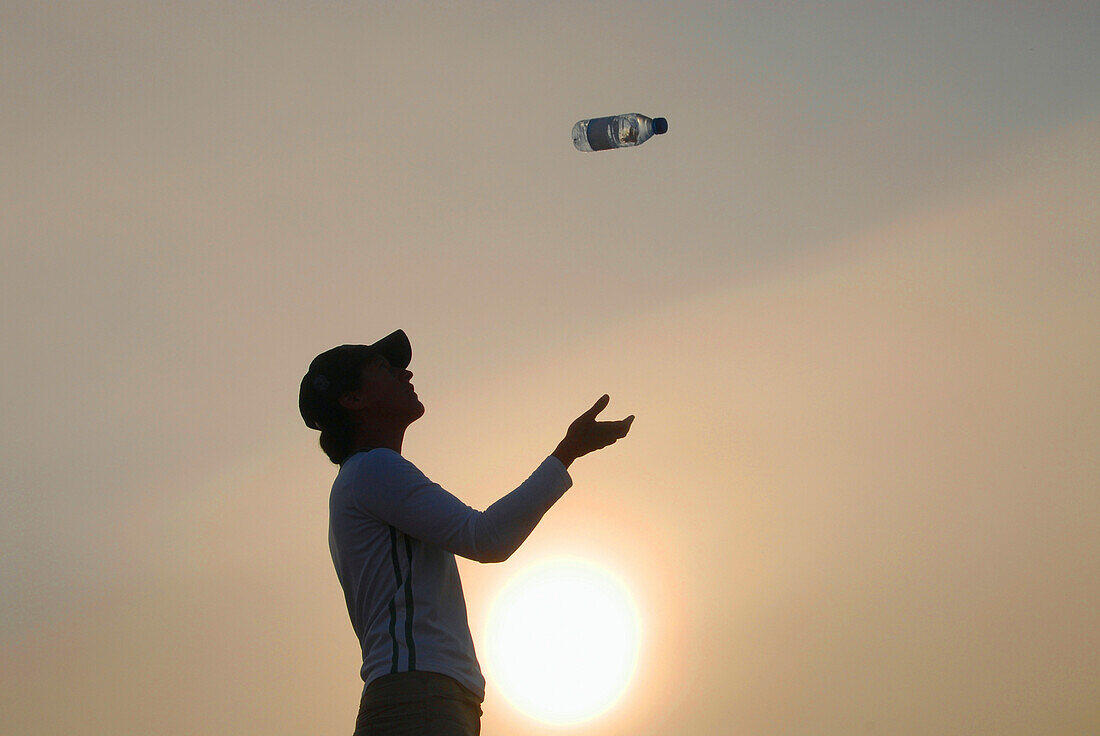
[851, 297]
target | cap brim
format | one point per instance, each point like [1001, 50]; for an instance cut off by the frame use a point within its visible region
[397, 349]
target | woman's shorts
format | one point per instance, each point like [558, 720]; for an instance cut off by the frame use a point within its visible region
[418, 704]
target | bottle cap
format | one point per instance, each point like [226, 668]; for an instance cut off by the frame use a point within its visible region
[660, 126]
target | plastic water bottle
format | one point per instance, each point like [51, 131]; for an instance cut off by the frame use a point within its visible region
[617, 131]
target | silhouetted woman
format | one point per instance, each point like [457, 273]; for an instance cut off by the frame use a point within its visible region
[393, 535]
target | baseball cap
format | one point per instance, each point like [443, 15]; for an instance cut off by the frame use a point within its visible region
[337, 371]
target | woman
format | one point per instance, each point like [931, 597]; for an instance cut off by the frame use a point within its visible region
[393, 535]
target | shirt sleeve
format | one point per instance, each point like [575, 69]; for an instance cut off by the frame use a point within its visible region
[394, 490]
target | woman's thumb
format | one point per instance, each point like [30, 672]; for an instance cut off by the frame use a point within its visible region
[599, 405]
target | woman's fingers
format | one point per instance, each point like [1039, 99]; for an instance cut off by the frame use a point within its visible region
[623, 425]
[616, 430]
[587, 434]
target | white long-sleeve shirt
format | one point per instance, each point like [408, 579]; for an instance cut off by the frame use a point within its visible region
[393, 535]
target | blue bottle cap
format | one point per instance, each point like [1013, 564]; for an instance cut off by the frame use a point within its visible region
[660, 126]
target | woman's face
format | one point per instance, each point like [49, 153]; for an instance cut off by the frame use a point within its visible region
[387, 393]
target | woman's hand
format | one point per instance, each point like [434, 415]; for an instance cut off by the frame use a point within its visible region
[586, 435]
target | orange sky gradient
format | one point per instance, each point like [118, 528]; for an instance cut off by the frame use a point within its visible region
[851, 298]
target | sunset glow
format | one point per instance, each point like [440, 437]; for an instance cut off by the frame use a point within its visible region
[562, 641]
[851, 297]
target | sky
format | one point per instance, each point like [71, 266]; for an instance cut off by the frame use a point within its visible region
[851, 298]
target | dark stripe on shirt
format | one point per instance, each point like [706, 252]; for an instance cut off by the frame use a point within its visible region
[393, 601]
[409, 606]
[393, 634]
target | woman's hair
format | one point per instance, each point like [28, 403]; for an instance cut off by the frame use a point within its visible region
[337, 428]
[337, 435]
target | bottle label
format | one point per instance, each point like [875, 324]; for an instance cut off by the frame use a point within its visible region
[600, 134]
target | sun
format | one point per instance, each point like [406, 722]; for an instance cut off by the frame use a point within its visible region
[562, 640]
